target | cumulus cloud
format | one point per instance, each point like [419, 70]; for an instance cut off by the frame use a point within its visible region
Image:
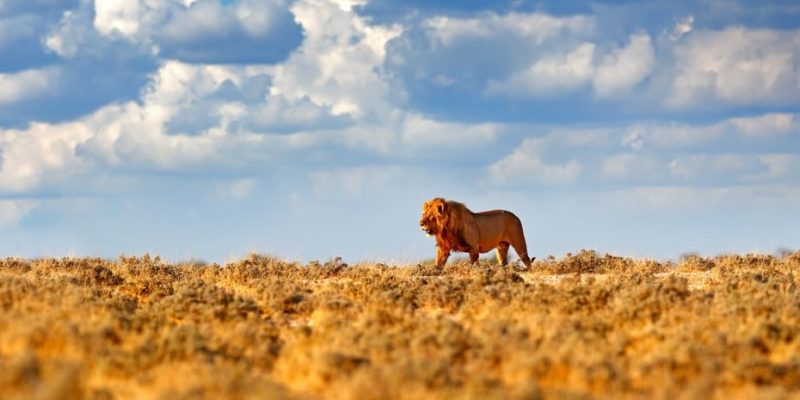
[70, 35]
[672, 135]
[356, 181]
[717, 167]
[682, 135]
[237, 189]
[523, 55]
[693, 197]
[128, 134]
[281, 115]
[684, 168]
[631, 166]
[622, 69]
[334, 95]
[39, 155]
[535, 56]
[118, 17]
[682, 27]
[408, 135]
[767, 125]
[534, 27]
[527, 165]
[555, 75]
[738, 66]
[337, 65]
[28, 84]
[655, 153]
[419, 131]
[615, 72]
[194, 117]
[192, 31]
[440, 50]
[778, 166]
[12, 211]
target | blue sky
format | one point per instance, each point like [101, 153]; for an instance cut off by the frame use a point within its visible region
[206, 129]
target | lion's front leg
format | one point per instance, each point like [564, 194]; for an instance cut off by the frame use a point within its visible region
[441, 256]
[474, 255]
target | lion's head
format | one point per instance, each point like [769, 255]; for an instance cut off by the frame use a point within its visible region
[434, 216]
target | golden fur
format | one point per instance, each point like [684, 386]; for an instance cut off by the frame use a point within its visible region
[456, 228]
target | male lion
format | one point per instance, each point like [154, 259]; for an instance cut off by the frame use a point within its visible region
[458, 229]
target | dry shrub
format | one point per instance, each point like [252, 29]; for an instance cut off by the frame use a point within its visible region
[588, 262]
[583, 326]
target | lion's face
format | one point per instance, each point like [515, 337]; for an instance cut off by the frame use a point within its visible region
[433, 213]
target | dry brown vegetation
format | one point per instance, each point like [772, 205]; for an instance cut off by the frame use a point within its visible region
[582, 326]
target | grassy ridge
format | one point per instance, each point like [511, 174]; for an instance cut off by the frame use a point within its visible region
[582, 326]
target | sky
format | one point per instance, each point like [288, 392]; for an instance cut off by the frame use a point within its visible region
[310, 129]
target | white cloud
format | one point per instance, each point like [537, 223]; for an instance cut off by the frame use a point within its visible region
[409, 135]
[631, 166]
[237, 189]
[699, 168]
[778, 166]
[442, 50]
[39, 155]
[682, 27]
[28, 84]
[335, 71]
[622, 69]
[767, 125]
[337, 65]
[12, 211]
[279, 114]
[331, 94]
[71, 34]
[257, 17]
[356, 181]
[689, 197]
[651, 153]
[641, 135]
[128, 134]
[716, 167]
[670, 196]
[348, 5]
[616, 72]
[526, 165]
[117, 17]
[170, 25]
[202, 18]
[419, 131]
[552, 75]
[737, 66]
[534, 27]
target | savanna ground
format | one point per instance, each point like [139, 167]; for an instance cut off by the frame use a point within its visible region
[581, 326]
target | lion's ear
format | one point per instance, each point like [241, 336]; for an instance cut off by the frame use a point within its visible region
[441, 207]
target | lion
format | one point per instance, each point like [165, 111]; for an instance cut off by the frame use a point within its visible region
[456, 228]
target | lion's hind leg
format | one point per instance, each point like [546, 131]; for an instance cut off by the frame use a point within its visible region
[502, 253]
[522, 251]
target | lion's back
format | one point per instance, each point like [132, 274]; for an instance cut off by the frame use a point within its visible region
[497, 226]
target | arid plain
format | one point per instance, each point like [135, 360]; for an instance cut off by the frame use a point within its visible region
[580, 326]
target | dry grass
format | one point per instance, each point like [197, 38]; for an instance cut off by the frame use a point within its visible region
[579, 327]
